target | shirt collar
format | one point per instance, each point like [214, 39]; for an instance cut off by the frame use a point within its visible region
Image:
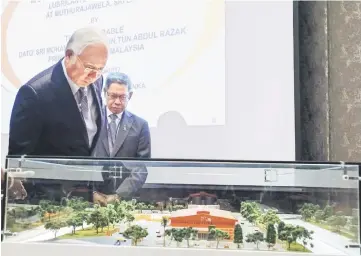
[74, 88]
[110, 113]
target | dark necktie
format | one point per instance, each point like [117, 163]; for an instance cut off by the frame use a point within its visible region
[83, 102]
[113, 130]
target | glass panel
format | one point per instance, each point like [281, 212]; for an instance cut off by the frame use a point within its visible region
[198, 204]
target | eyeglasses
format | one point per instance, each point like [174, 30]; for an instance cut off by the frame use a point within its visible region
[114, 96]
[89, 69]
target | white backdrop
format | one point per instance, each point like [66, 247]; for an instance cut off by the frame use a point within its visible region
[214, 79]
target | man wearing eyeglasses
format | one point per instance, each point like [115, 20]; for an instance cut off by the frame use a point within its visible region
[124, 135]
[58, 112]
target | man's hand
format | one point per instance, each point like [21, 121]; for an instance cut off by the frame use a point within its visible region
[16, 190]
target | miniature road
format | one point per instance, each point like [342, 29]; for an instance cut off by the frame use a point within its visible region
[25, 235]
[325, 242]
[150, 240]
[152, 227]
[40, 234]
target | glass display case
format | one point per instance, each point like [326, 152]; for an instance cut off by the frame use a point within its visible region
[92, 206]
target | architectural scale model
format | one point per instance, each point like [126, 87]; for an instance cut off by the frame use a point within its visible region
[199, 220]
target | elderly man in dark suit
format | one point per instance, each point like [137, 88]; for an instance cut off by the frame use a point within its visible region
[123, 135]
[58, 112]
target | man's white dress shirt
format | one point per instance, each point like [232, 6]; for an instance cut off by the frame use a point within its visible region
[90, 120]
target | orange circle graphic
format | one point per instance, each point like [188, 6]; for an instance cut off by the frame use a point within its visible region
[6, 68]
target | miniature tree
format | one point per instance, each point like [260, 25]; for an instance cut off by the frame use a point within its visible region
[170, 204]
[111, 215]
[250, 211]
[238, 235]
[141, 206]
[255, 238]
[98, 218]
[169, 232]
[189, 233]
[271, 235]
[178, 235]
[270, 217]
[126, 206]
[47, 208]
[337, 222]
[105, 221]
[74, 221]
[124, 212]
[252, 218]
[10, 220]
[55, 225]
[319, 216]
[290, 234]
[129, 218]
[219, 235]
[308, 210]
[83, 216]
[247, 208]
[306, 214]
[354, 220]
[178, 207]
[328, 211]
[287, 235]
[19, 212]
[211, 234]
[305, 236]
[164, 223]
[354, 230]
[354, 227]
[120, 210]
[77, 203]
[136, 233]
[281, 227]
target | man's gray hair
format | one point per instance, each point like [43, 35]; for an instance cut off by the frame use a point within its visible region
[84, 37]
[119, 78]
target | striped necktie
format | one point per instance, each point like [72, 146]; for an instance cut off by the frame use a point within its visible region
[113, 129]
[83, 102]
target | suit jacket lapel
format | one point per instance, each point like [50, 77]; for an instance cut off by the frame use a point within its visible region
[69, 106]
[124, 127]
[104, 135]
[100, 113]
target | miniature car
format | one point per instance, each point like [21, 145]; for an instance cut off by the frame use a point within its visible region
[120, 239]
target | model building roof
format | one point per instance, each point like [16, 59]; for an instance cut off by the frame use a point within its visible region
[203, 211]
[202, 194]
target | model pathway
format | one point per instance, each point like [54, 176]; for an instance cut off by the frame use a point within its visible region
[325, 241]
